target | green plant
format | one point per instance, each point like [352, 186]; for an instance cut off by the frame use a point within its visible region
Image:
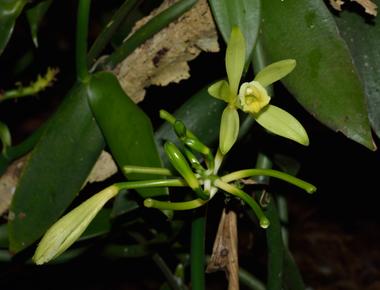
[98, 114]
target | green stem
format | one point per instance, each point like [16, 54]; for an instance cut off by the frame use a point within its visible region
[147, 31]
[81, 40]
[147, 170]
[250, 281]
[105, 36]
[272, 173]
[264, 222]
[170, 278]
[151, 183]
[275, 267]
[197, 255]
[164, 205]
[40, 84]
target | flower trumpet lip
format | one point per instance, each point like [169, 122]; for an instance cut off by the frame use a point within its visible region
[253, 97]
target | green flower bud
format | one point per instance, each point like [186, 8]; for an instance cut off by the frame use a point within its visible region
[70, 227]
[179, 162]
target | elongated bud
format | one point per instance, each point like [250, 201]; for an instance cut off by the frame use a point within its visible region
[180, 129]
[70, 227]
[196, 145]
[180, 164]
[193, 160]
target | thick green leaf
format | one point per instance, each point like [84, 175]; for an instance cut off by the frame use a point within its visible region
[57, 169]
[325, 81]
[3, 236]
[123, 204]
[126, 128]
[35, 16]
[292, 276]
[362, 37]
[199, 110]
[242, 13]
[9, 11]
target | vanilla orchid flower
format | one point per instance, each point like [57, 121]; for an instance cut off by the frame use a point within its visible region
[252, 97]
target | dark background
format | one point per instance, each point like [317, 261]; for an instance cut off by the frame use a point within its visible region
[334, 234]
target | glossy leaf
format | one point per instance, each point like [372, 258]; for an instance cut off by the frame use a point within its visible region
[275, 71]
[362, 37]
[325, 81]
[229, 129]
[281, 123]
[123, 204]
[59, 165]
[35, 16]
[244, 14]
[126, 128]
[235, 57]
[9, 11]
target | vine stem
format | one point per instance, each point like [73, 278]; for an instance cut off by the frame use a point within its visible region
[308, 187]
[264, 222]
[197, 253]
[81, 40]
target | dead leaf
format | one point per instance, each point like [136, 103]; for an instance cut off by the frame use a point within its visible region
[337, 4]
[104, 168]
[369, 6]
[163, 58]
[225, 250]
[8, 182]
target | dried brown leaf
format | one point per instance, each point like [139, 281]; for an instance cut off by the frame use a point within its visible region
[163, 58]
[369, 6]
[8, 182]
[104, 168]
[225, 250]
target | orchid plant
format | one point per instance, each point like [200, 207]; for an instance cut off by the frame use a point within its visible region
[195, 164]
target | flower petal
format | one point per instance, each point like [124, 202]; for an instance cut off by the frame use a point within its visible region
[220, 90]
[69, 228]
[229, 129]
[235, 58]
[253, 97]
[275, 71]
[281, 123]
